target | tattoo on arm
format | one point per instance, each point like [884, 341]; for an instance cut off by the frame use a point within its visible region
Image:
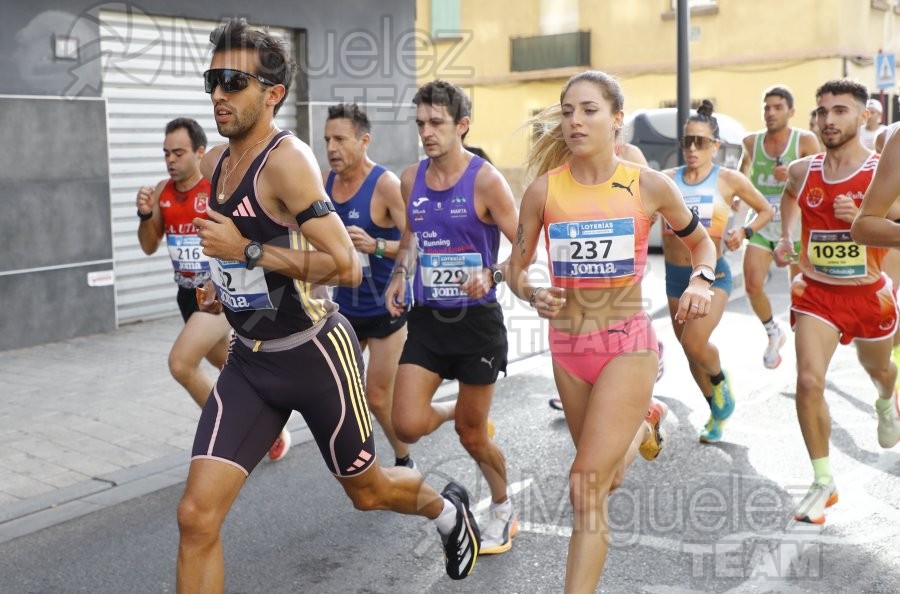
[520, 238]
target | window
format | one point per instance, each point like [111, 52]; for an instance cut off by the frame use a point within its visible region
[559, 16]
[445, 19]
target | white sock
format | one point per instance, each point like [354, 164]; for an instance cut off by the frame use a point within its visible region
[447, 520]
[504, 507]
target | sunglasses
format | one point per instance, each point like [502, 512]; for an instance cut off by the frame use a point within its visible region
[701, 142]
[231, 80]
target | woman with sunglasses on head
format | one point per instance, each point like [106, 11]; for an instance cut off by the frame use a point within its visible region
[594, 210]
[709, 191]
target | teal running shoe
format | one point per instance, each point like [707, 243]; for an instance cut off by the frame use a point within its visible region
[722, 403]
[712, 432]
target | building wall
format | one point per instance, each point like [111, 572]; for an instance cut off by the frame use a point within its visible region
[738, 50]
[350, 52]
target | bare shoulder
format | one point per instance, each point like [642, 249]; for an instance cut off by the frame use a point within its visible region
[387, 190]
[800, 164]
[490, 178]
[798, 168]
[388, 181]
[292, 158]
[210, 158]
[656, 181]
[535, 197]
[408, 175]
[734, 180]
[731, 176]
[808, 143]
[537, 187]
[633, 154]
[669, 172]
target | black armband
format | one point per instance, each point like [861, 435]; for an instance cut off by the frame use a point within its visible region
[319, 208]
[695, 220]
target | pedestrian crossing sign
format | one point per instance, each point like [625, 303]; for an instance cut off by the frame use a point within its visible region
[885, 71]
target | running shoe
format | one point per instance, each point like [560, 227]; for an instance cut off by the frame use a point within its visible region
[712, 432]
[281, 446]
[812, 507]
[772, 358]
[463, 543]
[497, 536]
[408, 462]
[888, 421]
[722, 403]
[656, 414]
[556, 404]
[661, 368]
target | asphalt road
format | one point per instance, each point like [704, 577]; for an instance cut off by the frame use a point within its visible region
[701, 518]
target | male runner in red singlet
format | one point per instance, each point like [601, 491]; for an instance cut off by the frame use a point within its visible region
[169, 210]
[842, 294]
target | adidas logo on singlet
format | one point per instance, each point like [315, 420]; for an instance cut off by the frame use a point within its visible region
[244, 209]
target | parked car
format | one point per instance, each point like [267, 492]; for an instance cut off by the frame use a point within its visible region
[654, 131]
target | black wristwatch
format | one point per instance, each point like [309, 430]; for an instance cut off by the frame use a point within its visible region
[144, 216]
[704, 273]
[496, 275]
[253, 251]
[748, 231]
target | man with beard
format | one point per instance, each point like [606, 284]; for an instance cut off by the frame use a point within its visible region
[767, 154]
[274, 243]
[842, 295]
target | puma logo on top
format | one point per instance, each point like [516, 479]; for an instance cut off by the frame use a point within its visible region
[626, 188]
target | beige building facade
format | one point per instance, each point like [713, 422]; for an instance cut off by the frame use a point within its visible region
[514, 57]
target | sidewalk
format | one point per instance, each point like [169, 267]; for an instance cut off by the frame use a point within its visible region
[95, 421]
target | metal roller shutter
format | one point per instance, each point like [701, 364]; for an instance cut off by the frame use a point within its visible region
[152, 74]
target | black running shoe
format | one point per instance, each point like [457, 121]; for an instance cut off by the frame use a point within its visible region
[462, 545]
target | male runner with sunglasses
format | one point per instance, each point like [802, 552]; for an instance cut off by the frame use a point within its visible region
[275, 243]
[767, 154]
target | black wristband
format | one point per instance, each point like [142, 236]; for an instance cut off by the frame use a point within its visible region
[695, 220]
[145, 216]
[748, 231]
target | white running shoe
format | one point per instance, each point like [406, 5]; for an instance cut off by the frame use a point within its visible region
[281, 446]
[497, 535]
[772, 358]
[888, 421]
[812, 507]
